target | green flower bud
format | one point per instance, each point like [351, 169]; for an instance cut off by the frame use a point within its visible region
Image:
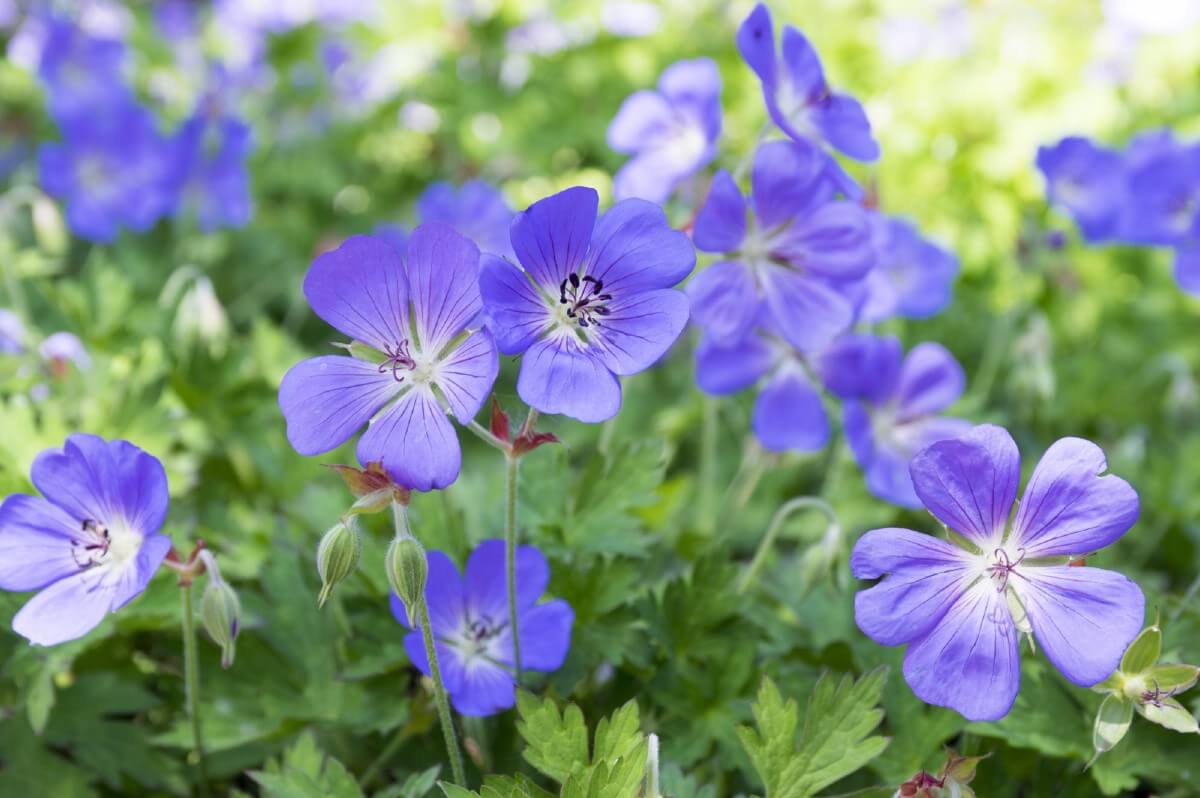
[337, 556]
[407, 569]
[221, 612]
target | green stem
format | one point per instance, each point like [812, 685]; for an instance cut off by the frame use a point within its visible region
[709, 452]
[400, 521]
[510, 554]
[777, 522]
[486, 436]
[191, 675]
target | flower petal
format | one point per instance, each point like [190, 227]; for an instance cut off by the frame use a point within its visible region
[361, 290]
[545, 637]
[467, 374]
[969, 661]
[1084, 618]
[642, 119]
[804, 71]
[833, 241]
[634, 248]
[450, 661]
[721, 221]
[1187, 269]
[724, 301]
[559, 376]
[1068, 508]
[443, 597]
[443, 283]
[924, 577]
[844, 124]
[722, 369]
[809, 314]
[487, 688]
[650, 176]
[415, 442]
[35, 543]
[970, 483]
[639, 330]
[859, 366]
[516, 312]
[756, 43]
[552, 236]
[789, 415]
[128, 582]
[789, 182]
[486, 582]
[930, 381]
[327, 399]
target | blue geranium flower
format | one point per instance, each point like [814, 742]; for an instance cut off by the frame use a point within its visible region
[410, 317]
[12, 333]
[912, 275]
[892, 406]
[81, 73]
[114, 170]
[672, 132]
[476, 209]
[470, 623]
[1088, 181]
[91, 544]
[1163, 206]
[211, 149]
[795, 254]
[592, 300]
[798, 98]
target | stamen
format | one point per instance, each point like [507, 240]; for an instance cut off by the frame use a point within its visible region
[92, 550]
[1004, 566]
[1157, 696]
[584, 297]
[397, 359]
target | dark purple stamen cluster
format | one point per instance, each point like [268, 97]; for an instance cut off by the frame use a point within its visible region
[91, 550]
[1156, 696]
[1004, 566]
[397, 359]
[583, 297]
[483, 629]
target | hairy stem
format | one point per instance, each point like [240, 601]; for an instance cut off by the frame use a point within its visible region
[191, 676]
[777, 521]
[510, 554]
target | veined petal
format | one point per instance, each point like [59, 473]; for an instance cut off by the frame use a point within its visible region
[552, 236]
[558, 376]
[545, 636]
[35, 543]
[66, 610]
[450, 660]
[327, 399]
[443, 283]
[486, 584]
[635, 249]
[639, 330]
[930, 381]
[721, 221]
[789, 415]
[789, 182]
[487, 688]
[808, 313]
[361, 289]
[970, 483]
[1068, 508]
[467, 374]
[834, 241]
[724, 300]
[969, 660]
[415, 442]
[516, 312]
[924, 577]
[1084, 618]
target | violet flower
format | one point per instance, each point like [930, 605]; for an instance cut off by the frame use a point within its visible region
[12, 333]
[211, 149]
[671, 133]
[912, 275]
[592, 301]
[91, 544]
[1088, 181]
[408, 318]
[959, 605]
[470, 623]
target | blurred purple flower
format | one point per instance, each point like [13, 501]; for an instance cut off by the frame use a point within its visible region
[477, 210]
[62, 349]
[630, 18]
[470, 623]
[91, 545]
[412, 311]
[891, 406]
[1088, 181]
[593, 301]
[210, 155]
[12, 333]
[114, 171]
[912, 275]
[1187, 267]
[394, 234]
[960, 607]
[672, 132]
[797, 96]
[82, 73]
[793, 254]
[1163, 204]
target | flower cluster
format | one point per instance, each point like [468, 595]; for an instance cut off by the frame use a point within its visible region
[114, 167]
[476, 209]
[1148, 195]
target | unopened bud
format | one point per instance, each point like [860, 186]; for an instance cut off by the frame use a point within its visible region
[407, 569]
[337, 556]
[220, 611]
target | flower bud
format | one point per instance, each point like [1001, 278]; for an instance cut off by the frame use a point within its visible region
[221, 612]
[406, 571]
[337, 556]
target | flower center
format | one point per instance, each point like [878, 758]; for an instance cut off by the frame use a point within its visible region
[1155, 696]
[1003, 566]
[98, 544]
[583, 299]
[398, 359]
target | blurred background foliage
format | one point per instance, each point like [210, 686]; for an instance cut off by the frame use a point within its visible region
[644, 543]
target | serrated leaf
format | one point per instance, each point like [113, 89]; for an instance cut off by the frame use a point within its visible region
[616, 736]
[772, 745]
[555, 743]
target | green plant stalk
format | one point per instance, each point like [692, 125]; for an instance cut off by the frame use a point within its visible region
[510, 554]
[191, 676]
[709, 454]
[773, 529]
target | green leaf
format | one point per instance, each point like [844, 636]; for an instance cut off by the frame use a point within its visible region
[40, 700]
[306, 772]
[835, 740]
[555, 743]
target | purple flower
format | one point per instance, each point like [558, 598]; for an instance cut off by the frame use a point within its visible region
[1163, 205]
[1187, 268]
[394, 234]
[91, 544]
[789, 414]
[593, 301]
[61, 349]
[12, 333]
[411, 315]
[798, 99]
[892, 405]
[112, 172]
[82, 73]
[469, 619]
[672, 133]
[960, 605]
[210, 161]
[1088, 181]
[477, 210]
[912, 275]
[796, 249]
